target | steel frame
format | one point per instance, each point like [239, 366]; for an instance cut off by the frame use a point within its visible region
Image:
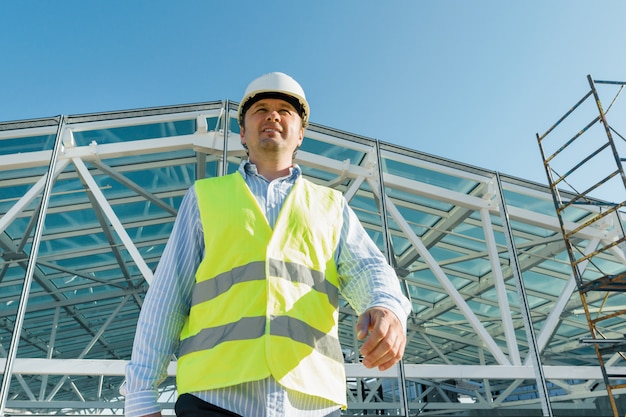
[457, 348]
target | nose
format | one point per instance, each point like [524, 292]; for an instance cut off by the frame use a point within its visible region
[273, 115]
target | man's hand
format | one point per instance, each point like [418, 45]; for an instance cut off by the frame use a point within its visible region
[385, 344]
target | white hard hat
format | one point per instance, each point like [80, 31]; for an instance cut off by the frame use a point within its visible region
[275, 85]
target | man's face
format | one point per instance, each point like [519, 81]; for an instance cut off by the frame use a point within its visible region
[272, 127]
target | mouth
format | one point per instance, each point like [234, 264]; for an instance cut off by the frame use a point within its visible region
[271, 130]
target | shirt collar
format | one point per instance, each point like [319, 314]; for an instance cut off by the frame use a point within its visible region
[248, 168]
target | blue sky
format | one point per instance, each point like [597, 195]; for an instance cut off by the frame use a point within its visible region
[472, 81]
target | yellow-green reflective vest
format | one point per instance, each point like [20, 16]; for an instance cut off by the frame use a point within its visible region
[265, 301]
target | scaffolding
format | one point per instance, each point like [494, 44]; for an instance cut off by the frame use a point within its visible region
[584, 168]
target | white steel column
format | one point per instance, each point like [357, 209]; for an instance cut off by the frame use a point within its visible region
[226, 129]
[382, 199]
[542, 388]
[30, 269]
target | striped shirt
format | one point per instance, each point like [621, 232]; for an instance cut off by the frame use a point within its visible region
[365, 279]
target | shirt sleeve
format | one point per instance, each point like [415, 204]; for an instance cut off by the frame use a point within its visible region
[164, 311]
[366, 279]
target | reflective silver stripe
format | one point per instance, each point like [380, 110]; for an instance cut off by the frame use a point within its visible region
[300, 273]
[301, 332]
[249, 328]
[211, 288]
[245, 328]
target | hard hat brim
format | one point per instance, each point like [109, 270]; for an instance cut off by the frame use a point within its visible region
[294, 101]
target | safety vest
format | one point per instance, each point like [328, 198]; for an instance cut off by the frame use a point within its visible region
[265, 301]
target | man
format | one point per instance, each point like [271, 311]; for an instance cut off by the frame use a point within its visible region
[246, 292]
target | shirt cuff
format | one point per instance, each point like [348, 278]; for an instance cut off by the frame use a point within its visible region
[141, 403]
[401, 308]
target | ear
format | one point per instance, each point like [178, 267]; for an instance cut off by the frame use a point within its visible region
[241, 134]
[301, 136]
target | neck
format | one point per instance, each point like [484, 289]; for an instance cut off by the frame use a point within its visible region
[272, 169]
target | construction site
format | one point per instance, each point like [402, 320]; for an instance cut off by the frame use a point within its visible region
[517, 287]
